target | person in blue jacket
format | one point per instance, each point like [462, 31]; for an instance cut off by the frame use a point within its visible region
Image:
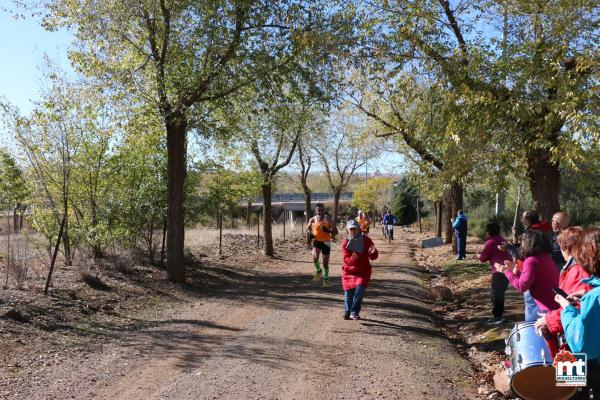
[460, 232]
[389, 219]
[582, 325]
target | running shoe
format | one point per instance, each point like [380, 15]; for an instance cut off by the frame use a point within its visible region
[494, 321]
[317, 276]
[354, 317]
[325, 283]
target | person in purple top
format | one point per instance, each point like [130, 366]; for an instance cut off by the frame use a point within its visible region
[494, 255]
[539, 274]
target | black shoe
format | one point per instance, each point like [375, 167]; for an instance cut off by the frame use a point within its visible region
[347, 315]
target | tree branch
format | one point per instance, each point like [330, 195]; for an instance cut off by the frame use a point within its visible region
[455, 28]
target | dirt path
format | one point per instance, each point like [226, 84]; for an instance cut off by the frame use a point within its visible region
[281, 336]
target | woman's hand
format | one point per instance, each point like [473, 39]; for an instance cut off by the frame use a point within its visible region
[541, 326]
[354, 255]
[372, 249]
[562, 301]
[500, 267]
[576, 296]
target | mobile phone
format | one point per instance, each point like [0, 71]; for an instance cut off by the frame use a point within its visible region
[560, 292]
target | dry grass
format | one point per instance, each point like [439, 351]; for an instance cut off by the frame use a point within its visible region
[203, 236]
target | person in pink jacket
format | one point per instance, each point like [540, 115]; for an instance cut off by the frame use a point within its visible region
[357, 252]
[493, 254]
[539, 274]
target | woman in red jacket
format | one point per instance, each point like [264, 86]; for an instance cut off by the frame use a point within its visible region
[357, 251]
[571, 274]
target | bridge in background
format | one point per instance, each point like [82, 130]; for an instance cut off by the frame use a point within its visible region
[295, 201]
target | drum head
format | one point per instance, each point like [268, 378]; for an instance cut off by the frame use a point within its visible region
[539, 383]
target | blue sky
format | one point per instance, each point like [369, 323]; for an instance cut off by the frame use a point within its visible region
[23, 45]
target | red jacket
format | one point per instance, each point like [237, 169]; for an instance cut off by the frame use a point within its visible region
[357, 271]
[569, 281]
[542, 226]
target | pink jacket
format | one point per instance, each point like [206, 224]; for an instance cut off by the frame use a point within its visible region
[492, 253]
[539, 276]
[357, 272]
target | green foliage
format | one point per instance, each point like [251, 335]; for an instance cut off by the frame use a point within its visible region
[404, 203]
[580, 193]
[482, 88]
[13, 188]
[222, 189]
[375, 197]
[139, 163]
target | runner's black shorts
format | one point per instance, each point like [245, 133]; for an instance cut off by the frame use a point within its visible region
[322, 246]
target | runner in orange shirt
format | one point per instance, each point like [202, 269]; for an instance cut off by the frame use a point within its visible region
[364, 222]
[320, 226]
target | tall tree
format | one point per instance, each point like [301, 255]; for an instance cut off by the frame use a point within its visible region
[525, 68]
[425, 122]
[343, 149]
[312, 131]
[179, 57]
[305, 161]
[269, 125]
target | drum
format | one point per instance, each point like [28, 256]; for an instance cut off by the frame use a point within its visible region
[530, 370]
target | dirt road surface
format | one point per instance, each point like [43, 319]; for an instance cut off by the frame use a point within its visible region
[280, 336]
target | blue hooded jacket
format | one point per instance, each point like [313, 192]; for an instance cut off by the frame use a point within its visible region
[460, 224]
[582, 327]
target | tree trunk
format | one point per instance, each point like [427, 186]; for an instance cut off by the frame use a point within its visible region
[176, 174]
[66, 239]
[164, 238]
[307, 212]
[151, 243]
[455, 203]
[337, 193]
[438, 218]
[248, 214]
[8, 252]
[544, 182]
[16, 217]
[267, 218]
[419, 216]
[456, 193]
[500, 203]
[96, 249]
[447, 215]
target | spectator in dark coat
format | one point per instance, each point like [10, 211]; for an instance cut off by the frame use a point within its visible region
[560, 221]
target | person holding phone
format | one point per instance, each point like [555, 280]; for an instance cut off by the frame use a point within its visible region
[582, 325]
[569, 281]
[531, 221]
[357, 252]
[539, 274]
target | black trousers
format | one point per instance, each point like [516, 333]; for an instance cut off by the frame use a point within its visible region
[498, 287]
